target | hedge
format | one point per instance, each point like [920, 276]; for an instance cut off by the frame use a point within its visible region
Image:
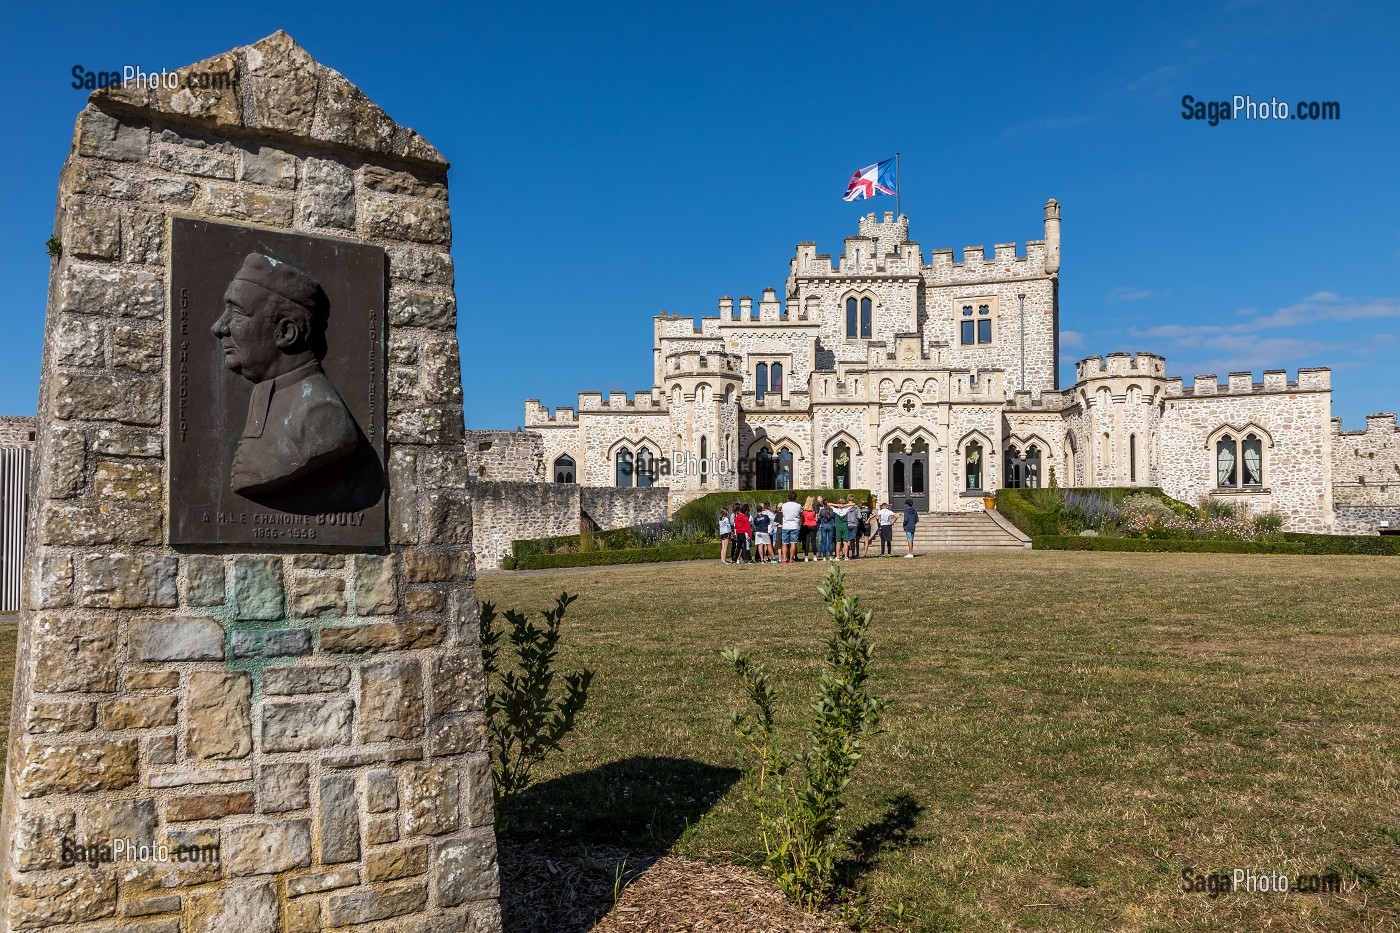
[703, 513]
[622, 556]
[1288, 543]
[616, 539]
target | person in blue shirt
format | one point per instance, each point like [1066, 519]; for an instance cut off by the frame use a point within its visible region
[911, 521]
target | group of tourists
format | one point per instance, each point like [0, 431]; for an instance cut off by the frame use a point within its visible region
[773, 533]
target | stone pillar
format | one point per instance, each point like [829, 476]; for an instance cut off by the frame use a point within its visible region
[291, 678]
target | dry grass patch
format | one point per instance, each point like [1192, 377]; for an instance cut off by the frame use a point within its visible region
[1073, 729]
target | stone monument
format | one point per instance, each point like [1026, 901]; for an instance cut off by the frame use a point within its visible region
[249, 692]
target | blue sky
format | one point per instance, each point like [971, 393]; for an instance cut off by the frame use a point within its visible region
[614, 160]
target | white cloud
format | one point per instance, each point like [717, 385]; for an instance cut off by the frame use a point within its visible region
[1128, 293]
[1045, 125]
[1255, 340]
[1071, 339]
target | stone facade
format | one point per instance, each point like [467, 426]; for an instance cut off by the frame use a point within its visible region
[315, 718]
[958, 362]
[1366, 476]
[16, 431]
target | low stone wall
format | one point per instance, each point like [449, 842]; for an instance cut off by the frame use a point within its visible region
[506, 456]
[503, 512]
[609, 507]
[1359, 509]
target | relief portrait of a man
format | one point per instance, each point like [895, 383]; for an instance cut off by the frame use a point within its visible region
[273, 333]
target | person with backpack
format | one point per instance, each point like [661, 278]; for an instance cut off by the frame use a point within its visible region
[742, 530]
[911, 521]
[762, 540]
[726, 533]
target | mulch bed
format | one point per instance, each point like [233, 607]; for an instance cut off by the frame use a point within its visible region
[604, 889]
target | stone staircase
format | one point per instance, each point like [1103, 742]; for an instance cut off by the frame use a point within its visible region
[963, 531]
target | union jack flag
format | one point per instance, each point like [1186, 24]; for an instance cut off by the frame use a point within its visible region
[872, 180]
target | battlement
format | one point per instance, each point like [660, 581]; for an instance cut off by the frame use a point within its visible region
[703, 362]
[537, 414]
[1310, 379]
[1121, 364]
[1381, 425]
[1024, 400]
[641, 401]
[887, 233]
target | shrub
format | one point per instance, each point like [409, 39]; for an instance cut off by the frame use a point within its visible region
[524, 721]
[1268, 523]
[646, 555]
[799, 797]
[1143, 507]
[1211, 507]
[1284, 543]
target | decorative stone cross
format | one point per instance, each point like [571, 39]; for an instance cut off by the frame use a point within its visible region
[909, 404]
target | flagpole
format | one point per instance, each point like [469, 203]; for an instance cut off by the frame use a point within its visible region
[898, 188]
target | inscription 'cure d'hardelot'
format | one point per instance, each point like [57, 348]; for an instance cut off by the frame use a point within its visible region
[277, 420]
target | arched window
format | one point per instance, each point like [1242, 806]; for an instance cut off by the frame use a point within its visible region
[646, 467]
[1031, 467]
[775, 382]
[1011, 470]
[1253, 450]
[1071, 461]
[564, 469]
[972, 460]
[841, 466]
[784, 478]
[1226, 472]
[1132, 458]
[760, 381]
[897, 478]
[858, 317]
[704, 459]
[624, 467]
[765, 477]
[1106, 451]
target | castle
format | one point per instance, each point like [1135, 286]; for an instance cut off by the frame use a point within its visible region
[937, 381]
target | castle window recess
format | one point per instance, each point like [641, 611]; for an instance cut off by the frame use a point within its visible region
[639, 470]
[858, 318]
[1239, 462]
[767, 378]
[975, 324]
[564, 469]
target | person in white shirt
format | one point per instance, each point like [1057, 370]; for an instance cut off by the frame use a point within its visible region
[885, 528]
[791, 524]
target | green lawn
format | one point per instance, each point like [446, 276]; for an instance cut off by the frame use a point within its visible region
[1069, 731]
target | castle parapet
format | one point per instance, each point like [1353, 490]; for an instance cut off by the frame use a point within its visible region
[1121, 364]
[1315, 379]
[537, 414]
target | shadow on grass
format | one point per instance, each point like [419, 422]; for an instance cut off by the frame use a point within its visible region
[892, 831]
[569, 845]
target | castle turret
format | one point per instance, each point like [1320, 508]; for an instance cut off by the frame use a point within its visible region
[1052, 236]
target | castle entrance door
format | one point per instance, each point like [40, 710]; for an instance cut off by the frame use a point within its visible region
[908, 474]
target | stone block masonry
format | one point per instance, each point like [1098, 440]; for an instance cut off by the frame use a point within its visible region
[314, 716]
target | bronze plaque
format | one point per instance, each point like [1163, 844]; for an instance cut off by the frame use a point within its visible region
[276, 389]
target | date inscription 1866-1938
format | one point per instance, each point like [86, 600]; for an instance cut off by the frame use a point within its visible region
[277, 421]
